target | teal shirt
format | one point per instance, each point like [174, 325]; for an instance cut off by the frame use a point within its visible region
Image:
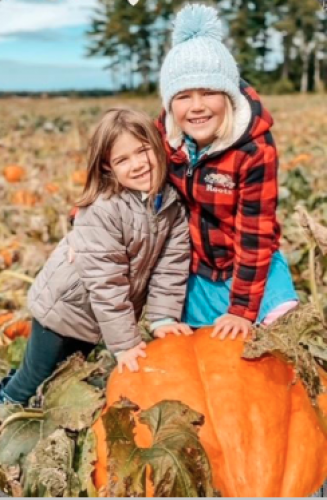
[194, 152]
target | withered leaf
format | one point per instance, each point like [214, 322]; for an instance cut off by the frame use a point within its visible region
[126, 469]
[49, 470]
[69, 401]
[7, 410]
[180, 466]
[9, 481]
[20, 433]
[294, 336]
[312, 228]
[4, 361]
[106, 362]
[86, 445]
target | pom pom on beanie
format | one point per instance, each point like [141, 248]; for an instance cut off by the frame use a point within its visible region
[195, 21]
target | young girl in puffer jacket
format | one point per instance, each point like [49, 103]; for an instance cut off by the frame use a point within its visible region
[223, 160]
[129, 248]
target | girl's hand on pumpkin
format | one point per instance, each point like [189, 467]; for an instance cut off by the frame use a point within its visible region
[129, 357]
[231, 325]
[175, 328]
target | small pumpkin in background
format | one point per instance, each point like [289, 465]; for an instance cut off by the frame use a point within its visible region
[14, 173]
[13, 328]
[16, 329]
[9, 254]
[5, 316]
[24, 198]
[51, 188]
[79, 177]
[261, 433]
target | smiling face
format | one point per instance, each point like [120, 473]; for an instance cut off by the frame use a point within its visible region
[133, 163]
[199, 114]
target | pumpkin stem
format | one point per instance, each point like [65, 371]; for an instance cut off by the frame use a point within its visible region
[22, 415]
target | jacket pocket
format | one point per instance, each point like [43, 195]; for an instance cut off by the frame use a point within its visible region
[76, 293]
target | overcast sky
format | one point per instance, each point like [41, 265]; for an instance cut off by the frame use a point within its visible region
[43, 46]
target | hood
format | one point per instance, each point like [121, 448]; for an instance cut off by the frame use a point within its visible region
[251, 120]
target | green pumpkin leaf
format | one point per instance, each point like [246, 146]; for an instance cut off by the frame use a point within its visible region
[68, 399]
[16, 350]
[180, 466]
[126, 470]
[86, 450]
[20, 432]
[11, 355]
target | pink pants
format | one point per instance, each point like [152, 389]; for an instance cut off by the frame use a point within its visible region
[279, 311]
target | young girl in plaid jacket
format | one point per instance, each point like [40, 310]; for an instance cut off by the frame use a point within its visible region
[223, 160]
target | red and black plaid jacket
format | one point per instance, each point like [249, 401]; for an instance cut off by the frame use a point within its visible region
[232, 199]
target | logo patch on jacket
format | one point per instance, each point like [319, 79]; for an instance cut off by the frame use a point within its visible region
[219, 183]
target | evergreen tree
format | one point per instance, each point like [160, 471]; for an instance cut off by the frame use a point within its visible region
[249, 25]
[302, 26]
[135, 39]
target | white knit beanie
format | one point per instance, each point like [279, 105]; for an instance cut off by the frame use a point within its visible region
[198, 58]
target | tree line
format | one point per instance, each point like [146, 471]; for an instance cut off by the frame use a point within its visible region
[280, 45]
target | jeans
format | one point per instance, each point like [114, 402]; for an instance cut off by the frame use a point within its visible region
[45, 349]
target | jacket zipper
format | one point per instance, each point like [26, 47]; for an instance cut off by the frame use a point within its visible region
[166, 205]
[153, 220]
[191, 169]
[189, 187]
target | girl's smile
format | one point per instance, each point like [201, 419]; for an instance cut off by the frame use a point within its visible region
[133, 163]
[199, 113]
[199, 121]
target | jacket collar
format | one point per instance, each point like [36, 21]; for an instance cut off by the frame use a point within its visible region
[134, 198]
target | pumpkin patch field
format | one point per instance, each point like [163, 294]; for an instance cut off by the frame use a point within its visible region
[202, 417]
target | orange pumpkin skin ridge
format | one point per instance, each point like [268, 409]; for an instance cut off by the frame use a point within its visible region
[261, 433]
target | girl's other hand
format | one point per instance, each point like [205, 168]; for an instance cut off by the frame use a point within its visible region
[175, 328]
[231, 325]
[129, 358]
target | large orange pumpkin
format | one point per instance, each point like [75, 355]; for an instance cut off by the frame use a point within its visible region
[261, 433]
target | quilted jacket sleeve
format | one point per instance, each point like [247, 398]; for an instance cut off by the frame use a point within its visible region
[102, 264]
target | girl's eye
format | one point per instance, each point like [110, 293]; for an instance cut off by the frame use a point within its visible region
[210, 93]
[183, 96]
[121, 160]
[144, 150]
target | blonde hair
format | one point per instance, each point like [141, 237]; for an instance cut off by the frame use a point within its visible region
[224, 132]
[100, 178]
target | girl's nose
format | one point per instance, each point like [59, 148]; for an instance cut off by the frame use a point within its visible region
[196, 102]
[137, 162]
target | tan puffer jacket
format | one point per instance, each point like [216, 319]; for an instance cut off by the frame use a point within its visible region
[125, 257]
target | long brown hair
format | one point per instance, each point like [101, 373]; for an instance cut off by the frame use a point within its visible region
[100, 178]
